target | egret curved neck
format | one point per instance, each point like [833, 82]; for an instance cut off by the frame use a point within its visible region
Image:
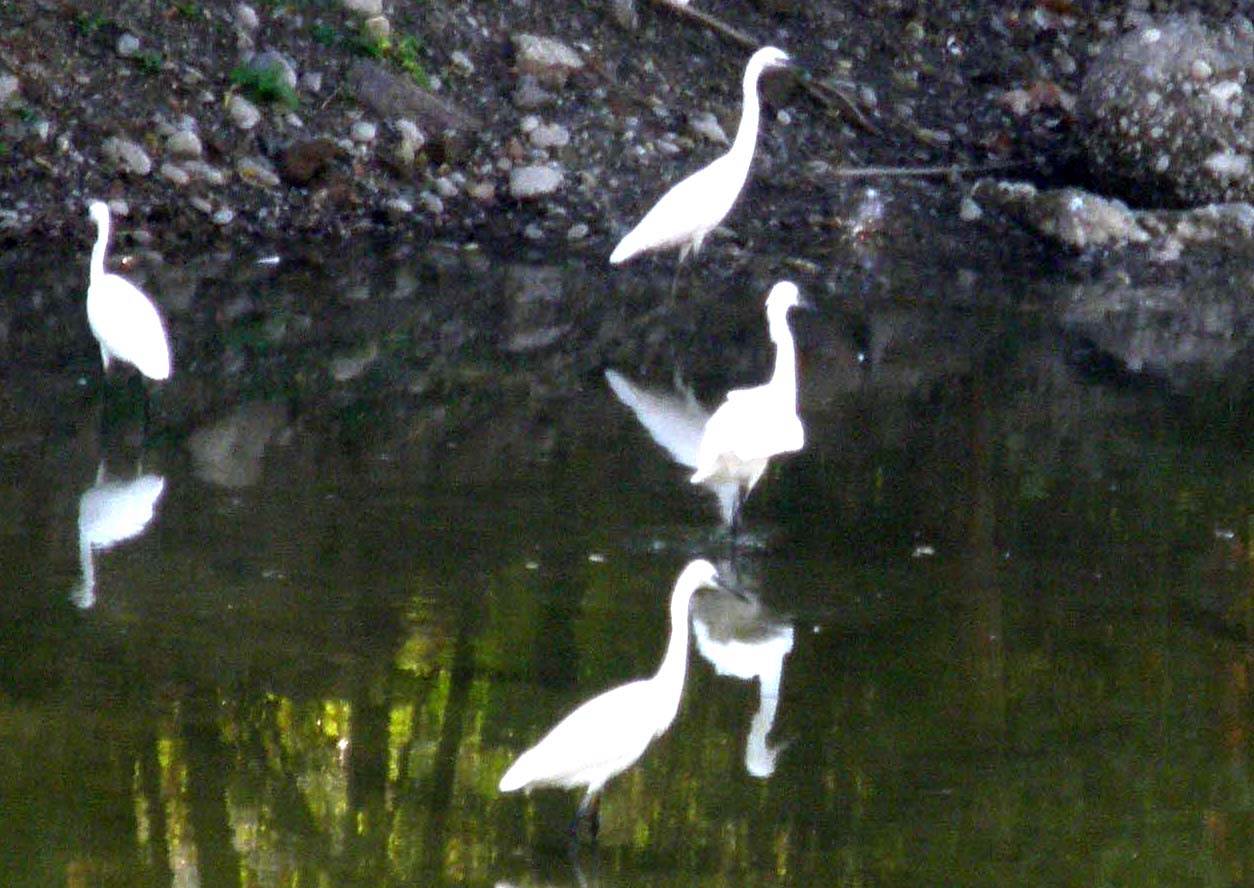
[747, 133]
[670, 675]
[785, 375]
[98, 251]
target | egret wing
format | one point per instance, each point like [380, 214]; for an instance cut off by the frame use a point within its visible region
[676, 422]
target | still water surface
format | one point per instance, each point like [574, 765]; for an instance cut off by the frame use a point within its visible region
[998, 634]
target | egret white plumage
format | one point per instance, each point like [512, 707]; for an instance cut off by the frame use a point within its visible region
[111, 512]
[123, 320]
[754, 424]
[696, 205]
[676, 421]
[606, 735]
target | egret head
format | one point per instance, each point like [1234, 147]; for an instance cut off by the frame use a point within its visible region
[783, 296]
[699, 574]
[99, 211]
[769, 57]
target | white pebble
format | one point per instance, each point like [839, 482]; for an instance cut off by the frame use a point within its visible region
[244, 113]
[363, 131]
[174, 173]
[128, 45]
[224, 216]
[577, 232]
[431, 203]
[184, 143]
[246, 18]
[462, 62]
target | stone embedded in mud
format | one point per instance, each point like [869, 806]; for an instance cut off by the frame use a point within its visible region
[550, 61]
[529, 182]
[257, 171]
[127, 155]
[9, 87]
[274, 64]
[363, 7]
[244, 113]
[302, 162]
[183, 143]
[390, 96]
[1165, 116]
[549, 135]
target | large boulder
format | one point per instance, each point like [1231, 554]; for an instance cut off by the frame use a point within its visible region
[1165, 117]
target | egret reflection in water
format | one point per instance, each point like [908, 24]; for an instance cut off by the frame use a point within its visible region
[607, 734]
[111, 512]
[742, 638]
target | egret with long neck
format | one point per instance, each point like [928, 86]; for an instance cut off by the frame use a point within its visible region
[606, 735]
[754, 424]
[123, 320]
[698, 204]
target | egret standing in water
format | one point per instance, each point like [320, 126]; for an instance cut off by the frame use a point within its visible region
[695, 207]
[123, 320]
[754, 424]
[606, 735]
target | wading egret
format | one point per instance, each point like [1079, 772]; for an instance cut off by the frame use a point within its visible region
[695, 207]
[123, 320]
[741, 638]
[606, 735]
[754, 424]
[676, 421]
[111, 512]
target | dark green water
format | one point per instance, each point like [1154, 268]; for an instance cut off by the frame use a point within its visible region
[1017, 598]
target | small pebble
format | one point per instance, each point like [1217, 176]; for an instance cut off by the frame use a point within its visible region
[174, 173]
[577, 232]
[431, 203]
[224, 216]
[244, 113]
[128, 45]
[377, 28]
[364, 132]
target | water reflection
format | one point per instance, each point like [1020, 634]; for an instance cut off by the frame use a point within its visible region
[739, 636]
[111, 511]
[229, 452]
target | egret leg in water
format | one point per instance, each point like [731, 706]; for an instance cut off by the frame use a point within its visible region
[123, 319]
[753, 425]
[607, 735]
[695, 206]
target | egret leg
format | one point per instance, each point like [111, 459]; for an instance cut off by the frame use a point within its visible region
[590, 813]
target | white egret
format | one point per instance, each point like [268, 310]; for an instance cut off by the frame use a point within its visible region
[606, 735]
[741, 638]
[110, 512]
[675, 420]
[123, 320]
[696, 205]
[754, 424]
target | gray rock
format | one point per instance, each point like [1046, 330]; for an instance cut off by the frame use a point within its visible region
[127, 155]
[257, 171]
[244, 113]
[363, 7]
[377, 28]
[184, 144]
[392, 96]
[530, 182]
[1165, 117]
[1073, 217]
[246, 18]
[174, 173]
[276, 63]
[128, 45]
[203, 172]
[530, 95]
[462, 62]
[9, 88]
[549, 135]
[363, 131]
[550, 61]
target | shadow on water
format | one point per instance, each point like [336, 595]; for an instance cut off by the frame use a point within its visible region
[999, 630]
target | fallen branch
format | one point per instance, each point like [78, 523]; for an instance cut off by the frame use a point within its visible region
[825, 94]
[952, 170]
